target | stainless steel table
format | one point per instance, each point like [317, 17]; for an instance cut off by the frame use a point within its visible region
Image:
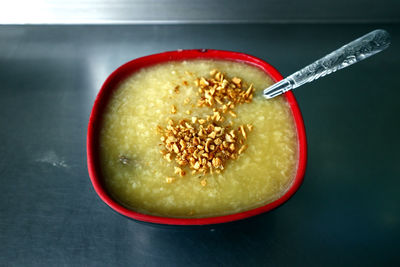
[347, 211]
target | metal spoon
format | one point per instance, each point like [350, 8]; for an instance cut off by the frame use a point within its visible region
[359, 49]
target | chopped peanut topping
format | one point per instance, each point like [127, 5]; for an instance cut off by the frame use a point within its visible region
[179, 171]
[168, 157]
[220, 90]
[173, 109]
[237, 81]
[169, 179]
[243, 148]
[199, 145]
[216, 162]
[204, 145]
[243, 132]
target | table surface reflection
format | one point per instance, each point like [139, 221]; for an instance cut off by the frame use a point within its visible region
[346, 212]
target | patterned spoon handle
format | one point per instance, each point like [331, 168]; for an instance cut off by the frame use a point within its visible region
[359, 49]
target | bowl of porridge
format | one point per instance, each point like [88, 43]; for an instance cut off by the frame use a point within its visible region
[186, 138]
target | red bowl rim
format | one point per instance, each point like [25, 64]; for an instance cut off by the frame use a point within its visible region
[128, 68]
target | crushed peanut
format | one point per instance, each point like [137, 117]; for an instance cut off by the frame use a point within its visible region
[219, 89]
[237, 81]
[173, 109]
[169, 180]
[243, 148]
[243, 132]
[179, 171]
[200, 146]
[204, 145]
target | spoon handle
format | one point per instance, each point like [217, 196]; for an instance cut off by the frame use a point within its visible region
[353, 52]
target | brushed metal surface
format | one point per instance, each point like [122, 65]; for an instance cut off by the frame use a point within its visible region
[345, 214]
[205, 11]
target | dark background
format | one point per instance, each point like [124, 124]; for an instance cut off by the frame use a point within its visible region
[345, 213]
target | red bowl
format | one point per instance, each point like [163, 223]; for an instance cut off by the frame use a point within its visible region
[127, 69]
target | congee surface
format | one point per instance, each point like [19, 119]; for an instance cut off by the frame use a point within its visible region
[133, 155]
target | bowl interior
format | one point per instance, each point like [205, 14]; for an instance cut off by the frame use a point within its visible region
[130, 67]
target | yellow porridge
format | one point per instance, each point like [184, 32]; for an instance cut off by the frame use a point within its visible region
[197, 139]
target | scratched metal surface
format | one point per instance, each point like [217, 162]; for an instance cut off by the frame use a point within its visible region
[346, 212]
